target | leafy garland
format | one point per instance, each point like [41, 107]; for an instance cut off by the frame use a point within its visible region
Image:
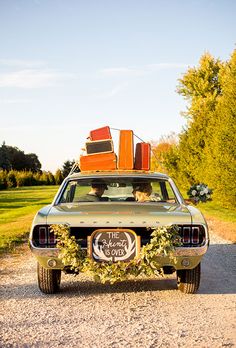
[163, 242]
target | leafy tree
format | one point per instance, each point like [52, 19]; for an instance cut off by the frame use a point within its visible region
[207, 146]
[5, 163]
[222, 158]
[202, 88]
[32, 162]
[58, 177]
[13, 158]
[160, 149]
[66, 168]
[11, 178]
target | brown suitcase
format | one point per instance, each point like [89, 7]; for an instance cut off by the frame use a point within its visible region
[98, 146]
[126, 150]
[102, 161]
[100, 133]
[142, 156]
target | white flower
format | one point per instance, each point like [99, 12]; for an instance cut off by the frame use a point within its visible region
[208, 196]
[202, 193]
[194, 192]
[198, 187]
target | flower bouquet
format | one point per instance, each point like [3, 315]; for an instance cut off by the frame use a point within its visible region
[199, 193]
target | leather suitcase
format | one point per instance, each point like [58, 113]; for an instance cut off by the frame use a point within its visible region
[126, 150]
[100, 133]
[99, 146]
[102, 161]
[142, 156]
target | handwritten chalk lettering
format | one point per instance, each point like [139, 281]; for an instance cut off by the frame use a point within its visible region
[109, 244]
[114, 235]
[117, 252]
[114, 246]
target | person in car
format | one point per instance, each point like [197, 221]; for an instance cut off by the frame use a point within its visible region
[143, 193]
[98, 188]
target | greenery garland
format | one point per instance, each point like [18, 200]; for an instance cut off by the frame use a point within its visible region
[163, 242]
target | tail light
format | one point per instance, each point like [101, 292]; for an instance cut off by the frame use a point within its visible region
[195, 235]
[42, 236]
[51, 238]
[192, 235]
[186, 235]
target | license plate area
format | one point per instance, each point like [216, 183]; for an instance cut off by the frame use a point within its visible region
[113, 245]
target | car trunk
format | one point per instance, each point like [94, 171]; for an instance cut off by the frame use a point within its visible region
[109, 214]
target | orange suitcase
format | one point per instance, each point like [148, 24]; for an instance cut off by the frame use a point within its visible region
[142, 156]
[126, 150]
[100, 133]
[103, 161]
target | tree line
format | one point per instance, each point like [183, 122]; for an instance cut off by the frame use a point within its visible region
[19, 169]
[205, 150]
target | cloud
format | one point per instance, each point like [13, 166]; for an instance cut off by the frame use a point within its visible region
[140, 71]
[165, 66]
[32, 78]
[122, 71]
[15, 101]
[22, 63]
[112, 92]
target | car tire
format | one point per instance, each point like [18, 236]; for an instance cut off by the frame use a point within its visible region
[188, 280]
[48, 279]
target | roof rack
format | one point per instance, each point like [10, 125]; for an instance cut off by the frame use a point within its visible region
[75, 168]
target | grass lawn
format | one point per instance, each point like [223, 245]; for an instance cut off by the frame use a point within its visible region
[17, 209]
[217, 211]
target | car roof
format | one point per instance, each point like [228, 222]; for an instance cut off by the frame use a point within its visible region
[118, 173]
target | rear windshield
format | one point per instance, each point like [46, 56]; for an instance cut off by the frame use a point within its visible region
[118, 190]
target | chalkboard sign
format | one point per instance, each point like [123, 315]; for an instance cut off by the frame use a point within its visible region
[100, 146]
[114, 245]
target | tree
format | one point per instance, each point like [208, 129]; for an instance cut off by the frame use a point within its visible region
[202, 88]
[5, 163]
[160, 149]
[207, 146]
[14, 158]
[32, 162]
[66, 168]
[222, 157]
[58, 177]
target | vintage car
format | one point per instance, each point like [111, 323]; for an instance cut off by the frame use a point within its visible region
[95, 220]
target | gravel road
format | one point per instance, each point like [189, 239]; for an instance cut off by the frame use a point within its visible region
[142, 313]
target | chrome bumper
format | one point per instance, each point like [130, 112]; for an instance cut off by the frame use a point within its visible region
[179, 251]
[191, 251]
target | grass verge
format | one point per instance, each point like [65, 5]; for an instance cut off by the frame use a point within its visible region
[17, 209]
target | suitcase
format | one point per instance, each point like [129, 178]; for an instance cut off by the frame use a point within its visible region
[126, 150]
[142, 156]
[102, 161]
[98, 146]
[100, 133]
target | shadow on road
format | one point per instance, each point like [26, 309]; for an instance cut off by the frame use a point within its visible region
[218, 277]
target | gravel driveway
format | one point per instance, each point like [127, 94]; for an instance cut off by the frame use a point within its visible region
[142, 313]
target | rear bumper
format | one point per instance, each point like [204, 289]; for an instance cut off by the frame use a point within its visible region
[180, 251]
[193, 254]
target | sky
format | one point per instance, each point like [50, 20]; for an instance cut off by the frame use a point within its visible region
[71, 66]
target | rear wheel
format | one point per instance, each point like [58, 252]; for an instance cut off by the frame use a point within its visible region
[188, 280]
[48, 279]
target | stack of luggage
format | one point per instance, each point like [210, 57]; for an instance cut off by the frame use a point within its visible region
[101, 156]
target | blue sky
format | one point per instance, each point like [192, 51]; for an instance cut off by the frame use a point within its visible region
[67, 67]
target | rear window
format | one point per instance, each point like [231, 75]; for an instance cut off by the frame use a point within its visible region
[118, 190]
